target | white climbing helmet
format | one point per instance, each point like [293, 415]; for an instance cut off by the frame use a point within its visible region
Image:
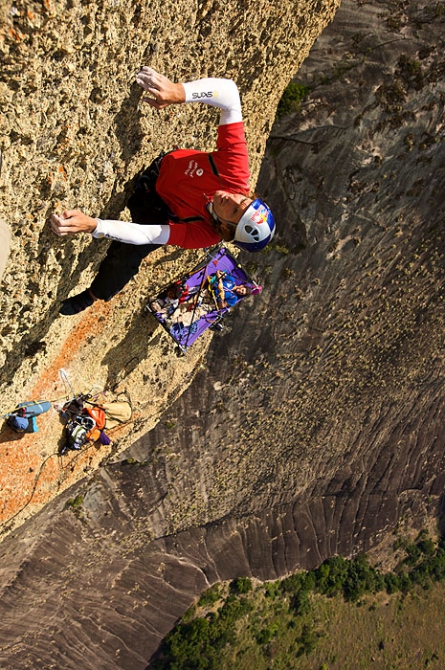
[256, 227]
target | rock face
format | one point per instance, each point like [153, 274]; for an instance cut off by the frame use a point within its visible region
[74, 133]
[313, 425]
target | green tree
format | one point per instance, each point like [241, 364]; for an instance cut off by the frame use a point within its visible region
[300, 603]
[413, 554]
[361, 578]
[392, 582]
[210, 596]
[308, 640]
[241, 585]
[331, 576]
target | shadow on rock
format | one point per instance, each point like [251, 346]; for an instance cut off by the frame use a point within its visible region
[127, 126]
[32, 342]
[131, 350]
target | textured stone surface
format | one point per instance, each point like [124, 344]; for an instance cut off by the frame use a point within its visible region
[74, 133]
[314, 424]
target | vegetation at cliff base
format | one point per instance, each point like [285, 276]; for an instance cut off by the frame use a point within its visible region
[291, 99]
[344, 614]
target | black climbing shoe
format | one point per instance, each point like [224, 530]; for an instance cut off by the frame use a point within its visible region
[76, 304]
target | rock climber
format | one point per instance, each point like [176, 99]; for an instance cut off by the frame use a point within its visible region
[186, 197]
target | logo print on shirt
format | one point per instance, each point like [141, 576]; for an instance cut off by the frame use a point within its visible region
[193, 169]
[203, 94]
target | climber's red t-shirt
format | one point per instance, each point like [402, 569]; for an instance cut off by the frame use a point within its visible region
[186, 183]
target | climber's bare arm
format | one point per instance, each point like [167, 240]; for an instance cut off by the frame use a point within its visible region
[163, 92]
[72, 221]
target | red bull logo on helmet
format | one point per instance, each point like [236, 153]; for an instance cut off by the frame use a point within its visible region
[260, 215]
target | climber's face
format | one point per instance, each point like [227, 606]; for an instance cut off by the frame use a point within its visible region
[227, 210]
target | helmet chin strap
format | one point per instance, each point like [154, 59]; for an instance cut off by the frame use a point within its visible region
[217, 218]
[211, 211]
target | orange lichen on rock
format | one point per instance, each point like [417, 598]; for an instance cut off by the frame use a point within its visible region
[32, 471]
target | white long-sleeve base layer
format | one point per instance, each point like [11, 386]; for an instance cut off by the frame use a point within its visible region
[132, 233]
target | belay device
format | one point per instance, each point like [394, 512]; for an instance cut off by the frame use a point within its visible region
[198, 301]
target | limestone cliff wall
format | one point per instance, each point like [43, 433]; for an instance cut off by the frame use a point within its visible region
[73, 134]
[73, 130]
